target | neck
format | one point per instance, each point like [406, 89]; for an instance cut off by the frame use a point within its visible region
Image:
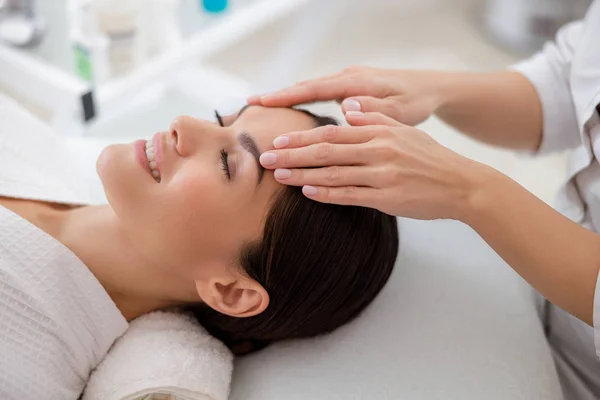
[134, 284]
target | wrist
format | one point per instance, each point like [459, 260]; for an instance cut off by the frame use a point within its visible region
[483, 193]
[445, 88]
[453, 88]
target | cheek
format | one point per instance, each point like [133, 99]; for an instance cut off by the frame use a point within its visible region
[196, 195]
[190, 220]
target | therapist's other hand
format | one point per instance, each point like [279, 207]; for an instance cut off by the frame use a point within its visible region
[377, 163]
[409, 97]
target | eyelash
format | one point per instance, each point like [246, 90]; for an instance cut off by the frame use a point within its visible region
[225, 163]
[219, 118]
[224, 154]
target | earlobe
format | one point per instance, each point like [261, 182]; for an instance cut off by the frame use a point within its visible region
[237, 297]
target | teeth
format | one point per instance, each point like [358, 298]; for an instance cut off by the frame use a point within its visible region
[152, 162]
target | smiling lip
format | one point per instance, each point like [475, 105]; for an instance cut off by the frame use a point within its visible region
[139, 147]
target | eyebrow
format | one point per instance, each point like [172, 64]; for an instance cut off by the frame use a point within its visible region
[250, 146]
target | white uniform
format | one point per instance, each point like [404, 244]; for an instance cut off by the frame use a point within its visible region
[56, 320]
[566, 74]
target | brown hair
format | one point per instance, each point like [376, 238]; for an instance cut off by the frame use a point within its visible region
[321, 264]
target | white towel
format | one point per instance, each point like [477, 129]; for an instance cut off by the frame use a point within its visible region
[163, 353]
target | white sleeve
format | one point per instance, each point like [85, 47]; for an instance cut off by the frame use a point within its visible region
[549, 71]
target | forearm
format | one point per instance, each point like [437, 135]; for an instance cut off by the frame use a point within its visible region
[555, 255]
[500, 108]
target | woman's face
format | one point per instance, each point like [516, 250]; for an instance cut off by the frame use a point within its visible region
[213, 195]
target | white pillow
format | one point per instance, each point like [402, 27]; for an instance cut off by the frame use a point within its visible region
[454, 322]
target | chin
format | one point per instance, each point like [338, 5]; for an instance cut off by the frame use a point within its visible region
[115, 169]
[102, 161]
[105, 164]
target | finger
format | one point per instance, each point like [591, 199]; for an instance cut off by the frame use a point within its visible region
[346, 196]
[326, 134]
[254, 100]
[333, 176]
[315, 90]
[366, 104]
[315, 155]
[257, 100]
[357, 118]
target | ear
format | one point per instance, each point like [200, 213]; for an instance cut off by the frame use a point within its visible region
[236, 296]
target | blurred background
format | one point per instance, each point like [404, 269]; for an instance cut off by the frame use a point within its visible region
[120, 69]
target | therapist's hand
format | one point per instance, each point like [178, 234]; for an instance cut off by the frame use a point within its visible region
[377, 163]
[409, 97]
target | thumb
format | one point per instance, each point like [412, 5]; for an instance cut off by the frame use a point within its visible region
[388, 107]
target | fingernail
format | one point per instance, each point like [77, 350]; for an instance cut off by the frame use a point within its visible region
[309, 190]
[351, 105]
[281, 141]
[355, 113]
[282, 173]
[268, 159]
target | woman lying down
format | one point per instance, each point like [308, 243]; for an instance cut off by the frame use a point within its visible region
[193, 222]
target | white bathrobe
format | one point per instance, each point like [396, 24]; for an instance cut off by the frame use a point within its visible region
[56, 320]
[566, 75]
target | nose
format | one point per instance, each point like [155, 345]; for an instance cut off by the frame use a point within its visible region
[190, 134]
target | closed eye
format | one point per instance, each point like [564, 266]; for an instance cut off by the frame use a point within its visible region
[225, 163]
[224, 154]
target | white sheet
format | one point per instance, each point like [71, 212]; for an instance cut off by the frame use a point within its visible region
[454, 322]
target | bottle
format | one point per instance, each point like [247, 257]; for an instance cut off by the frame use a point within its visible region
[214, 6]
[119, 22]
[89, 46]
